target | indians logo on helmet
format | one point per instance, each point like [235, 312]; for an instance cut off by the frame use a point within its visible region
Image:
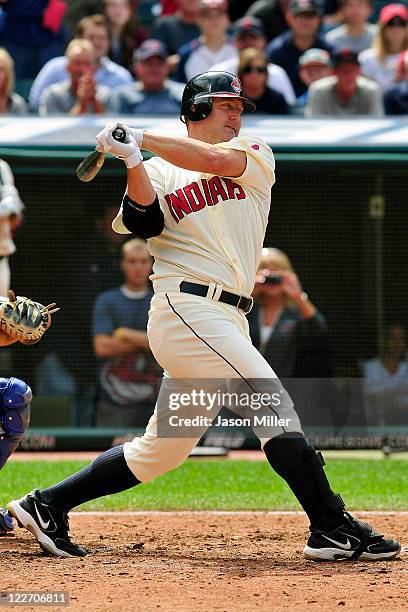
[236, 85]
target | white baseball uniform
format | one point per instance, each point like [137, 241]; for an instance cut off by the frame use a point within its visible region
[10, 204]
[213, 235]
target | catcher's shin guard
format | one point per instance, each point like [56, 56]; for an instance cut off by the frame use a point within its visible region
[6, 522]
[15, 398]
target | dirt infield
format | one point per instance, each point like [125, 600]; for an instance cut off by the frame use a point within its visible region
[203, 562]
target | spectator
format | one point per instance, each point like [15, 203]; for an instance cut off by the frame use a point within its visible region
[129, 375]
[253, 72]
[380, 63]
[32, 33]
[272, 13]
[314, 64]
[355, 33]
[69, 369]
[125, 32]
[284, 325]
[153, 92]
[346, 92]
[386, 380]
[304, 21]
[110, 75]
[10, 102]
[248, 32]
[77, 10]
[180, 28]
[396, 98]
[79, 94]
[212, 47]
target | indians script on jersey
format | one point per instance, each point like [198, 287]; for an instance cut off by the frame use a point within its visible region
[198, 194]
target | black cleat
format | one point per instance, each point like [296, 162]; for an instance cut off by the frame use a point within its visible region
[352, 540]
[6, 522]
[48, 525]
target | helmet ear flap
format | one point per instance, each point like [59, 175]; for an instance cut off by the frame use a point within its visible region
[198, 110]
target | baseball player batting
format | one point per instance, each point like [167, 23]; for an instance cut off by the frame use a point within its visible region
[202, 203]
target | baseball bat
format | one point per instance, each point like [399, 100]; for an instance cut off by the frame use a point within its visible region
[91, 165]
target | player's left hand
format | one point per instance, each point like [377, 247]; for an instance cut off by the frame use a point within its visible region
[128, 151]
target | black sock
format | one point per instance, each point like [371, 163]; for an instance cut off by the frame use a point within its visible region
[302, 468]
[107, 474]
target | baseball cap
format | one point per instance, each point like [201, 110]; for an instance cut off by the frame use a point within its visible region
[344, 56]
[390, 11]
[298, 7]
[248, 25]
[315, 56]
[207, 5]
[150, 48]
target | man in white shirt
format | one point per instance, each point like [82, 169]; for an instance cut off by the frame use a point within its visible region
[355, 33]
[212, 46]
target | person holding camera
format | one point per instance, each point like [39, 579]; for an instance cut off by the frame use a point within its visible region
[284, 324]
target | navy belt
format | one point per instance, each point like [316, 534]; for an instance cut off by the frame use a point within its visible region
[239, 301]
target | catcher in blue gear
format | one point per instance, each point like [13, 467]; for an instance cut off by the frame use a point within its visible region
[25, 321]
[15, 398]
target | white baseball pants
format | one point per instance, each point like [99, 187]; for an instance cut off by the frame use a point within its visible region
[193, 337]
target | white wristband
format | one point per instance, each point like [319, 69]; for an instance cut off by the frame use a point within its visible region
[133, 160]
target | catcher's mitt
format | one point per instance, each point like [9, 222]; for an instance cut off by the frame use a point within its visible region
[24, 320]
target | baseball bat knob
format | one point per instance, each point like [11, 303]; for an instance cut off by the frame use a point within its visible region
[119, 134]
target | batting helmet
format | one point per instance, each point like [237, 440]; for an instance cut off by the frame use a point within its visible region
[196, 103]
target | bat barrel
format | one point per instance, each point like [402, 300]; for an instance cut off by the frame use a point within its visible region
[90, 166]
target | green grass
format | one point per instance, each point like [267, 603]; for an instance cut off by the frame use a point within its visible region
[224, 485]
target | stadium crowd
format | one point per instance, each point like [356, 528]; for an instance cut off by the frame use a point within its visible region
[311, 57]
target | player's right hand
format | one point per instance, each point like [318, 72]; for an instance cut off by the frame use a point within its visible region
[127, 151]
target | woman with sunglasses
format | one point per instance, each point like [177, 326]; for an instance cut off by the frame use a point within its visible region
[380, 63]
[253, 73]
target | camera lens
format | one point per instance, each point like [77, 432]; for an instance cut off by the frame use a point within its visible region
[273, 279]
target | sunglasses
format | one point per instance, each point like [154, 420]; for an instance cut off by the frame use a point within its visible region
[396, 22]
[257, 69]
